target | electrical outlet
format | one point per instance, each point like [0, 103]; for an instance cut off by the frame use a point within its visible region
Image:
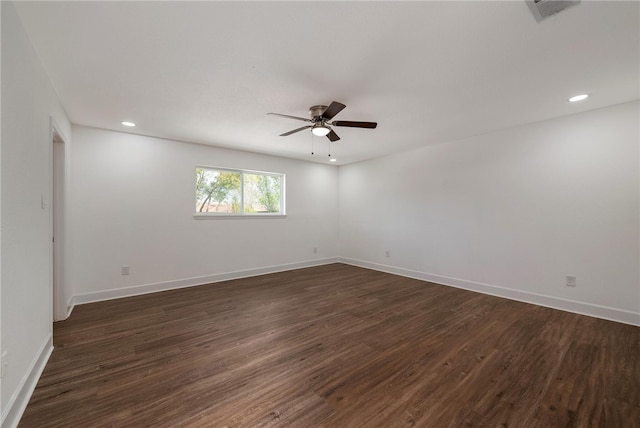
[315, 250]
[125, 270]
[387, 253]
[571, 281]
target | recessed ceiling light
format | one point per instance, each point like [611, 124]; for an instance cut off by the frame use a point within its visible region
[578, 98]
[130, 124]
[333, 160]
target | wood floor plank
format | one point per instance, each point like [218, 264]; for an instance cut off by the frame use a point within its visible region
[335, 346]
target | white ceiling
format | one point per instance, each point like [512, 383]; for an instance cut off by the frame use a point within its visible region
[427, 72]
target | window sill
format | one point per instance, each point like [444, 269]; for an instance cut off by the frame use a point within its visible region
[236, 216]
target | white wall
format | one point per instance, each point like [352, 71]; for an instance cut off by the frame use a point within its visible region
[132, 204]
[510, 213]
[28, 102]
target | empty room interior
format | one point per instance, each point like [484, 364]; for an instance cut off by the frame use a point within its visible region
[320, 214]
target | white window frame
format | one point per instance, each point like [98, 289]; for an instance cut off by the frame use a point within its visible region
[212, 215]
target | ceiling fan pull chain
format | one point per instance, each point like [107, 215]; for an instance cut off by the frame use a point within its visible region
[312, 144]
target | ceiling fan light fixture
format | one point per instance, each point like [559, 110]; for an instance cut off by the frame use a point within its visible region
[320, 130]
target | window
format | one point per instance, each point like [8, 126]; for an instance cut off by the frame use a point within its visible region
[236, 192]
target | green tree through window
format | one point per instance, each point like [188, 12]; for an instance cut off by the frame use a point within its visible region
[220, 191]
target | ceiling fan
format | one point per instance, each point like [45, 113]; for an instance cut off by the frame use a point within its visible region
[321, 121]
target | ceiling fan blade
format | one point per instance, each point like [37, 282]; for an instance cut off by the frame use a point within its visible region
[332, 136]
[291, 117]
[352, 124]
[295, 130]
[332, 110]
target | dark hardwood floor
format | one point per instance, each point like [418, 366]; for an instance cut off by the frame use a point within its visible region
[335, 346]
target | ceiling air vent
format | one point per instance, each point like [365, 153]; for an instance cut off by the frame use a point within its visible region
[542, 9]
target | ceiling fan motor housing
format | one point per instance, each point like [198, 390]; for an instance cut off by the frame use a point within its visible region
[316, 111]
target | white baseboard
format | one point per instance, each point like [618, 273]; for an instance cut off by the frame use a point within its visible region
[117, 293]
[69, 309]
[582, 308]
[20, 398]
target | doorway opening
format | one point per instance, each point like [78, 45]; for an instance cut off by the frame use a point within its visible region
[60, 310]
